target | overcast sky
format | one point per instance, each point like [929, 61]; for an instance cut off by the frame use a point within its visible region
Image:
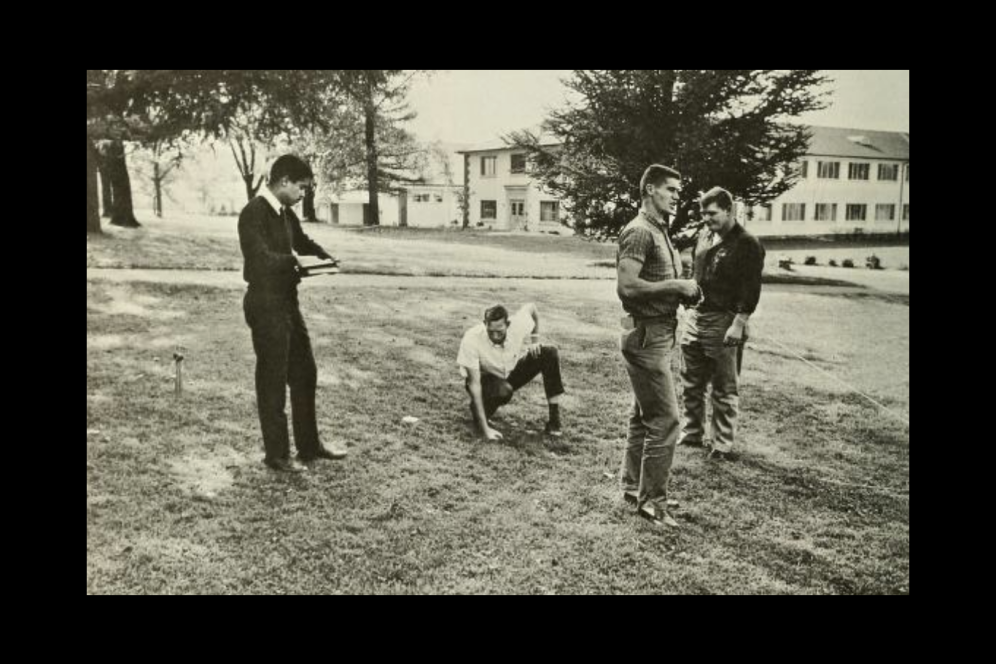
[476, 106]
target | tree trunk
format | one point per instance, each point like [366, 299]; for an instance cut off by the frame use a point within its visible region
[251, 189]
[157, 192]
[370, 113]
[246, 165]
[124, 212]
[92, 201]
[308, 206]
[106, 197]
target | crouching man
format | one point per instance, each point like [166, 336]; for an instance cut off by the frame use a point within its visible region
[501, 355]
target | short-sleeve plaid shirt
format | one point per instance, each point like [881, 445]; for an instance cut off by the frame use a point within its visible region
[646, 240]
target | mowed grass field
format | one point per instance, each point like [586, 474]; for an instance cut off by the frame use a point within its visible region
[178, 500]
[211, 243]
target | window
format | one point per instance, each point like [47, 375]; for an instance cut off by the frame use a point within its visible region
[519, 163]
[826, 212]
[885, 212]
[860, 171]
[888, 172]
[828, 170]
[489, 209]
[906, 211]
[855, 212]
[439, 198]
[488, 166]
[803, 169]
[793, 212]
[549, 210]
[421, 198]
[762, 213]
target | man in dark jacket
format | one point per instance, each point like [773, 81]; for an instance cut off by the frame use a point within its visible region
[727, 267]
[268, 232]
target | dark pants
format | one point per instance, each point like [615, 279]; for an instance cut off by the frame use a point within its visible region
[498, 391]
[283, 358]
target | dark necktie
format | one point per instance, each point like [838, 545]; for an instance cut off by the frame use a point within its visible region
[285, 220]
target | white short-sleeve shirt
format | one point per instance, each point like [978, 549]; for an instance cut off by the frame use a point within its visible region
[477, 351]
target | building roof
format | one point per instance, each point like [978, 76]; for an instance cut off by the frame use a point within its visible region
[843, 142]
[499, 144]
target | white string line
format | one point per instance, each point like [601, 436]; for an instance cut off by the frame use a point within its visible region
[850, 387]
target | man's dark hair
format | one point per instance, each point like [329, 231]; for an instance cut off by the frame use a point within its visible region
[495, 313]
[719, 196]
[292, 167]
[655, 175]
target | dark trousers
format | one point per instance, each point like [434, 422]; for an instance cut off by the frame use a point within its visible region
[283, 358]
[498, 391]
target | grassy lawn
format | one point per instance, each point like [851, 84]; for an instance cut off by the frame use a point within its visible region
[894, 254]
[212, 243]
[533, 243]
[178, 501]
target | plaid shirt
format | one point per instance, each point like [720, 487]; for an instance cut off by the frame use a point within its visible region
[645, 240]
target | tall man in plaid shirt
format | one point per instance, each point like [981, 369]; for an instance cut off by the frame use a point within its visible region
[651, 289]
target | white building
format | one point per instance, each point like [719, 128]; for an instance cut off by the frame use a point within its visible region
[853, 181]
[431, 205]
[417, 206]
[502, 197]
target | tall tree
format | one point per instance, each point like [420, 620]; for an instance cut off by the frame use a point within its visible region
[390, 153]
[146, 105]
[158, 165]
[106, 197]
[271, 107]
[111, 119]
[718, 127]
[92, 205]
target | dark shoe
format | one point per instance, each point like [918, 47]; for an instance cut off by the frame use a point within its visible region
[716, 455]
[692, 443]
[285, 465]
[553, 430]
[333, 453]
[657, 516]
[633, 498]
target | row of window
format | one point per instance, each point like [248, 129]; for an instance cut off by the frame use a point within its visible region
[828, 212]
[549, 210]
[427, 198]
[830, 170]
[489, 165]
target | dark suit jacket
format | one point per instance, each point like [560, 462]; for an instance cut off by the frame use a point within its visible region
[266, 242]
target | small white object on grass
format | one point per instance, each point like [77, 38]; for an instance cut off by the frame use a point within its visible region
[408, 419]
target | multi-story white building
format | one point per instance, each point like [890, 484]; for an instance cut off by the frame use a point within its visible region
[501, 196]
[852, 180]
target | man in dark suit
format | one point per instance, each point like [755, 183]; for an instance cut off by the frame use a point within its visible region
[269, 234]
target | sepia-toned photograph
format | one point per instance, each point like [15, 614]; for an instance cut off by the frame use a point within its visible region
[498, 332]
